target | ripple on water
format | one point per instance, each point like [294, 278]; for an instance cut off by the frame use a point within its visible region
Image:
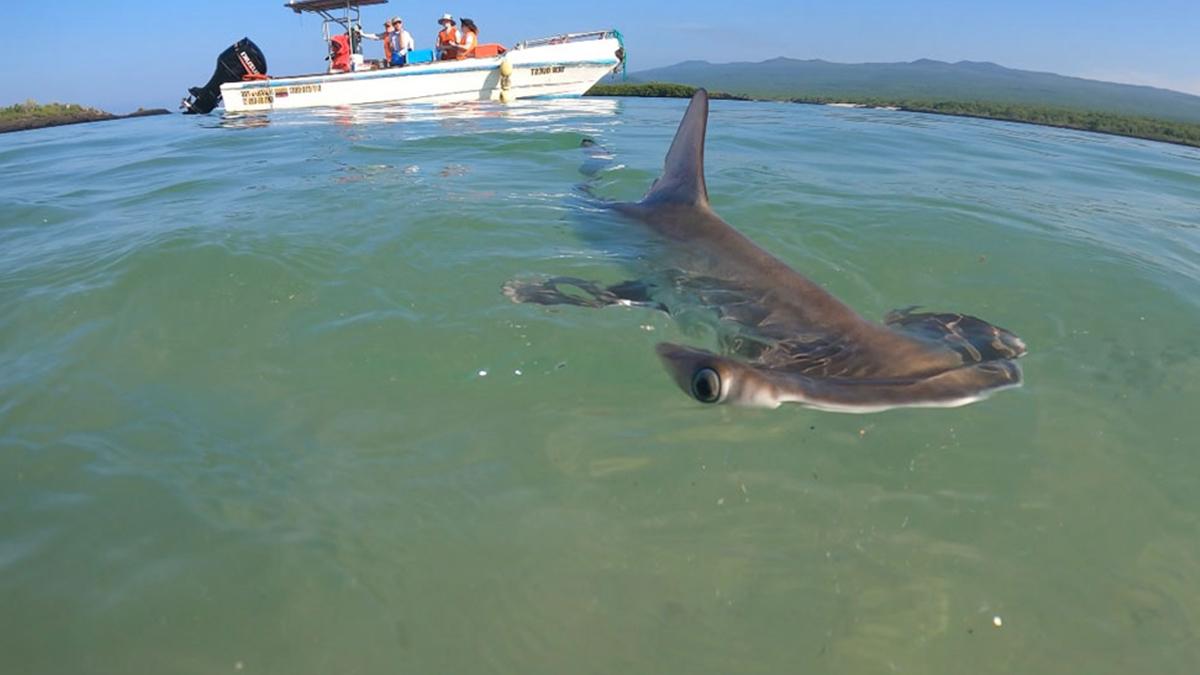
[240, 373]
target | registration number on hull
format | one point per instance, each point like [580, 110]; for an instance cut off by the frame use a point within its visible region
[547, 70]
[266, 96]
[257, 97]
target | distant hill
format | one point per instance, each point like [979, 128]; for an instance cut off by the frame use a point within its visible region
[926, 80]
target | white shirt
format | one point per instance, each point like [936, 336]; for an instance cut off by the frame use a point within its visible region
[406, 42]
[406, 39]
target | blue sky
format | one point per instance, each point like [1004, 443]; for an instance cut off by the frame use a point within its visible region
[122, 54]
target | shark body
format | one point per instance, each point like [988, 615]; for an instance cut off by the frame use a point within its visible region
[794, 341]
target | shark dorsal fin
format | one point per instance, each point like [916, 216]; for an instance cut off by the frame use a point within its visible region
[682, 180]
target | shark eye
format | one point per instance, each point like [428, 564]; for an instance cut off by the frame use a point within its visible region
[706, 385]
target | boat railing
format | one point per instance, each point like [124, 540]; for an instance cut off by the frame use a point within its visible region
[567, 37]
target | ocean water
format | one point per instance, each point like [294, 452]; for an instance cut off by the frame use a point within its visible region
[264, 409]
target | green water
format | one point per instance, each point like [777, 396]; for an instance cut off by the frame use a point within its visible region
[243, 426]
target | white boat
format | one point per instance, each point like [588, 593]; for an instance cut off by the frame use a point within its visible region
[558, 66]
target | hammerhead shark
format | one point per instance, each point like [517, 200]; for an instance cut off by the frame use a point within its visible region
[791, 340]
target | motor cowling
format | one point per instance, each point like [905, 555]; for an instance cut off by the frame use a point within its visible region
[242, 59]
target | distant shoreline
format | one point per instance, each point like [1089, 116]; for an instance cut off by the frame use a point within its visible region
[1163, 131]
[31, 115]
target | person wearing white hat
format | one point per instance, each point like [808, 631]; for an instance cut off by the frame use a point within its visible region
[397, 42]
[402, 42]
[385, 37]
[448, 39]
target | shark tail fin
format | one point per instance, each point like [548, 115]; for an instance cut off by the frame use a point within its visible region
[682, 180]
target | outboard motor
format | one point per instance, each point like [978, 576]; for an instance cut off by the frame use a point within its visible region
[233, 65]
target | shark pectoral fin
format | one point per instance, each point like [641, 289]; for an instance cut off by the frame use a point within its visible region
[580, 293]
[596, 159]
[682, 180]
[975, 339]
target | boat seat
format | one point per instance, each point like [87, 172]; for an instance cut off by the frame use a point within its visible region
[489, 50]
[420, 56]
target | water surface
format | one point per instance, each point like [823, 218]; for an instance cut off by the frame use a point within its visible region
[263, 408]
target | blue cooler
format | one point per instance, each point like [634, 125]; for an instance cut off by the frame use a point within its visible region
[420, 56]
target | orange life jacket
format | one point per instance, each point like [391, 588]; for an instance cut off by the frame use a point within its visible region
[387, 46]
[470, 40]
[339, 52]
[448, 36]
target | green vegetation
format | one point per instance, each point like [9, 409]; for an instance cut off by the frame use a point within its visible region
[32, 109]
[1102, 122]
[1085, 120]
[34, 115]
[655, 90]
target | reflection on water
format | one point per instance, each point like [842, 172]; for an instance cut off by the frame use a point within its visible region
[264, 408]
[536, 111]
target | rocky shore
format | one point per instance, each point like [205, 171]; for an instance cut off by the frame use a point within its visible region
[31, 115]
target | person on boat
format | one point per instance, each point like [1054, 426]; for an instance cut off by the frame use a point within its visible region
[469, 41]
[339, 53]
[447, 39]
[385, 37]
[401, 43]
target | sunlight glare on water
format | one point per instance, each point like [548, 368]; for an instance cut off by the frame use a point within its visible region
[264, 409]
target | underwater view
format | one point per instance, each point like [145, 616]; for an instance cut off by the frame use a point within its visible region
[265, 406]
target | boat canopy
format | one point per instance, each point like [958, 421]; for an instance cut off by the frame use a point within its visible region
[343, 15]
[323, 6]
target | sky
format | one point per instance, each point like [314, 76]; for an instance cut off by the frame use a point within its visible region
[123, 54]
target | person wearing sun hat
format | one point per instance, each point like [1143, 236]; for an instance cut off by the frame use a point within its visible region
[447, 39]
[402, 42]
[385, 37]
[469, 40]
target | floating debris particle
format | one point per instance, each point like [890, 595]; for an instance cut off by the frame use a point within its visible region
[997, 621]
[517, 372]
[483, 373]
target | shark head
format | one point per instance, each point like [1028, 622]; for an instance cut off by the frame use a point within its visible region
[712, 378]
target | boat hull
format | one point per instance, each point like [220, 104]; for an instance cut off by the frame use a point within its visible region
[546, 70]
